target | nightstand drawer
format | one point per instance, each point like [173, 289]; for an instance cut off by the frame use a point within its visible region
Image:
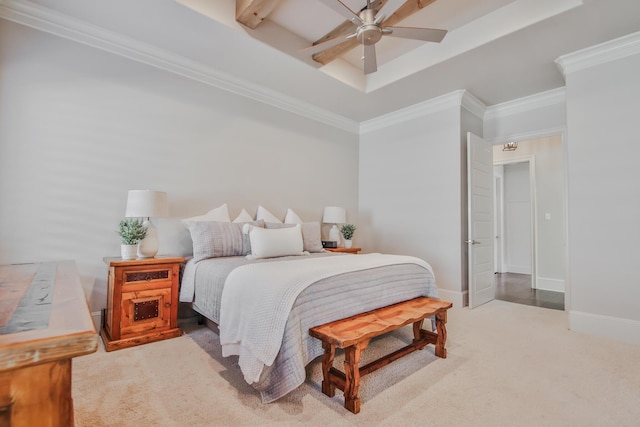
[161, 274]
[146, 276]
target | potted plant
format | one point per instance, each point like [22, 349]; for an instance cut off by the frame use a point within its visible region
[131, 232]
[347, 231]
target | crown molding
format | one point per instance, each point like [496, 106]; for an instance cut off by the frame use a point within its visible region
[528, 103]
[599, 54]
[458, 98]
[44, 19]
[473, 105]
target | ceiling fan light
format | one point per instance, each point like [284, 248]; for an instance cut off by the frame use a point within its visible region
[368, 34]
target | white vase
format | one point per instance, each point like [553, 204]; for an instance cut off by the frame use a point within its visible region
[347, 243]
[128, 251]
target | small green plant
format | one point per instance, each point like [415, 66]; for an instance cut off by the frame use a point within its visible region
[132, 231]
[347, 231]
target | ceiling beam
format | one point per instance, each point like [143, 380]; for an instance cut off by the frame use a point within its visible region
[251, 12]
[407, 9]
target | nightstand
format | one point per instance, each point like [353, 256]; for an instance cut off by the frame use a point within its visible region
[142, 301]
[344, 250]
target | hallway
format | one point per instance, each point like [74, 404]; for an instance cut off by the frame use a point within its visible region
[514, 287]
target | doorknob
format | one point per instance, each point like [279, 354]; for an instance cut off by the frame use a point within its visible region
[473, 242]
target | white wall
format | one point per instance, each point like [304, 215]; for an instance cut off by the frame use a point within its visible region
[604, 196]
[79, 127]
[410, 183]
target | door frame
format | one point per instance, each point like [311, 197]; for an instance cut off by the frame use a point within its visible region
[498, 219]
[531, 160]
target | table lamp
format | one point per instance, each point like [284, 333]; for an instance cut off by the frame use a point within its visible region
[147, 204]
[334, 215]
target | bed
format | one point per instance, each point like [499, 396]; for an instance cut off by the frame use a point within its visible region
[264, 306]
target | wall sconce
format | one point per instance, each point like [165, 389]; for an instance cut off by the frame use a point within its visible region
[510, 146]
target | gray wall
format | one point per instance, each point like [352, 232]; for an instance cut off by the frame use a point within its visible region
[604, 197]
[79, 127]
[410, 200]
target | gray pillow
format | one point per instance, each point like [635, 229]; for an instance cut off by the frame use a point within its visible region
[212, 239]
[310, 234]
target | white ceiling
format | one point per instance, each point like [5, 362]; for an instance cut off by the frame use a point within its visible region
[499, 50]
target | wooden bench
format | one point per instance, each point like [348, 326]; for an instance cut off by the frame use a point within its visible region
[354, 333]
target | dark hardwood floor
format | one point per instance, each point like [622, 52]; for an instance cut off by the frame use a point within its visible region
[514, 287]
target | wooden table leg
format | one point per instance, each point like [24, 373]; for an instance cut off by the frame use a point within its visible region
[328, 387]
[352, 373]
[441, 320]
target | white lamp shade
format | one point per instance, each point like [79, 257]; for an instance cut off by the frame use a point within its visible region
[146, 204]
[334, 215]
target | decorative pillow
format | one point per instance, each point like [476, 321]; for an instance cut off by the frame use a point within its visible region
[220, 214]
[292, 217]
[276, 242]
[311, 238]
[266, 216]
[243, 217]
[212, 239]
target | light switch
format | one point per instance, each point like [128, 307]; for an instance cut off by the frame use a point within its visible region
[547, 216]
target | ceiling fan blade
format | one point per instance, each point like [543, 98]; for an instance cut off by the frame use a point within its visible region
[326, 45]
[370, 63]
[343, 9]
[390, 7]
[426, 34]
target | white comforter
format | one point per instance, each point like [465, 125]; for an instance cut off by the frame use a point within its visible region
[257, 299]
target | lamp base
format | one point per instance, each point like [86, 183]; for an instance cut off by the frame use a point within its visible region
[334, 234]
[148, 247]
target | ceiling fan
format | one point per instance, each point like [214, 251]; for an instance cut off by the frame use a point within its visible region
[370, 30]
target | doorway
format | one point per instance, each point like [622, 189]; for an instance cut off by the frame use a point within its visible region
[530, 232]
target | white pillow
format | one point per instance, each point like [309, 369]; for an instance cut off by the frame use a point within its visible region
[271, 243]
[220, 214]
[266, 216]
[292, 217]
[243, 217]
[311, 240]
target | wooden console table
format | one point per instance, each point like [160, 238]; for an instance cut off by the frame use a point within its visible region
[44, 323]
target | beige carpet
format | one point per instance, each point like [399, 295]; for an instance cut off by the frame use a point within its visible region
[507, 365]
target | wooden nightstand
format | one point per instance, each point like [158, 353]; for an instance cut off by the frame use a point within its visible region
[142, 301]
[344, 250]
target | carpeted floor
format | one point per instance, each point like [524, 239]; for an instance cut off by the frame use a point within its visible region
[507, 365]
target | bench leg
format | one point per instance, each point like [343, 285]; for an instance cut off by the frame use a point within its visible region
[441, 320]
[352, 373]
[417, 336]
[328, 387]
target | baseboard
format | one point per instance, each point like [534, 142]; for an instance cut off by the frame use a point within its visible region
[519, 269]
[605, 326]
[546, 284]
[459, 299]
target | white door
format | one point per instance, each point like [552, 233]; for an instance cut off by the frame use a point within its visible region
[480, 227]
